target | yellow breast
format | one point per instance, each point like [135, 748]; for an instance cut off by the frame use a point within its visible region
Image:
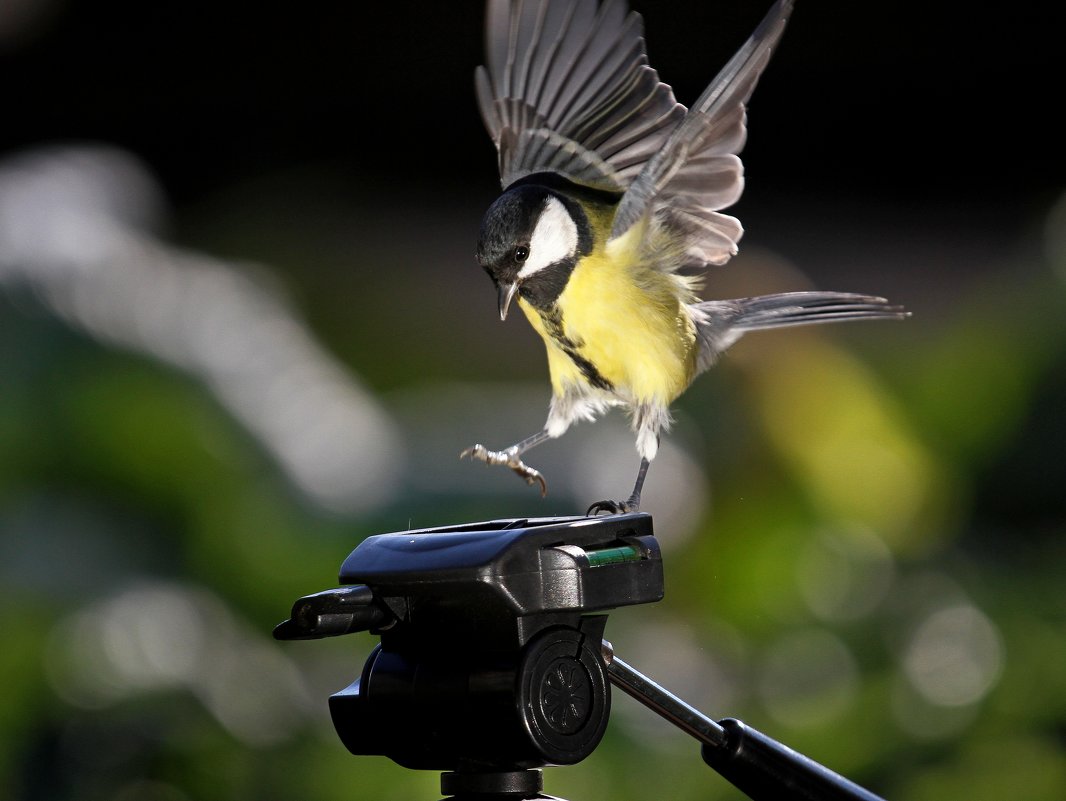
[628, 320]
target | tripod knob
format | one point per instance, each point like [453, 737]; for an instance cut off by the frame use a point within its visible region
[563, 695]
[491, 711]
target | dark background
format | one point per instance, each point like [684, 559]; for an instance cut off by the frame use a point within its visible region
[900, 101]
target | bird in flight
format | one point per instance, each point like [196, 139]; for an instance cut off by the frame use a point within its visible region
[611, 212]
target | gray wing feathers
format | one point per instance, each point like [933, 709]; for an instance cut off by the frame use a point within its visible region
[720, 323]
[697, 172]
[567, 88]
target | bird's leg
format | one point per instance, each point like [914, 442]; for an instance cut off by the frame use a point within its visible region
[621, 507]
[509, 458]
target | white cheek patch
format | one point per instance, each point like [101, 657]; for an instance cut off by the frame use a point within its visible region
[554, 238]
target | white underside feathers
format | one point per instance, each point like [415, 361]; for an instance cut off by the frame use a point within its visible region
[583, 403]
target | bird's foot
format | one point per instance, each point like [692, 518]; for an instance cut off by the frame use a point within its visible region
[613, 507]
[507, 458]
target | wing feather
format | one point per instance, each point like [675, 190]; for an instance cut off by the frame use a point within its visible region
[567, 88]
[697, 172]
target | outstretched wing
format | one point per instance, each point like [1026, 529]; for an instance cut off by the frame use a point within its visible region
[697, 171]
[567, 89]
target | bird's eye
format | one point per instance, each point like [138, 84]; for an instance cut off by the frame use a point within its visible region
[521, 253]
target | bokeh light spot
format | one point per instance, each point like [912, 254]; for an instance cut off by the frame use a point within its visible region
[955, 656]
[844, 574]
[808, 678]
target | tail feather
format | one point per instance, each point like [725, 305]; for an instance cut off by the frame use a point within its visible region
[720, 323]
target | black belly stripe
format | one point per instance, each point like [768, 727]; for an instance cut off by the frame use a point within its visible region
[588, 369]
[553, 324]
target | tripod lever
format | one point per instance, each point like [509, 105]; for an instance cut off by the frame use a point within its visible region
[761, 767]
[333, 612]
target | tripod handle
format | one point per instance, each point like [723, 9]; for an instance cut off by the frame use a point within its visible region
[761, 767]
[333, 612]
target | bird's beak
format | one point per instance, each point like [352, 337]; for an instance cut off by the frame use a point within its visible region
[507, 293]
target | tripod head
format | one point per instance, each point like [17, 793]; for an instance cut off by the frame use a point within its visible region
[489, 664]
[492, 662]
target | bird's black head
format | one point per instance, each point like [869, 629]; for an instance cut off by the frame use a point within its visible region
[530, 241]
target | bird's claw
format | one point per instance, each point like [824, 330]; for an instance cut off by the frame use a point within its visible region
[507, 458]
[612, 508]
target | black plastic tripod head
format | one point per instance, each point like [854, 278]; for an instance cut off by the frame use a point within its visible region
[490, 663]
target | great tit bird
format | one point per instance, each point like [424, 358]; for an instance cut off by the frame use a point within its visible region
[611, 210]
